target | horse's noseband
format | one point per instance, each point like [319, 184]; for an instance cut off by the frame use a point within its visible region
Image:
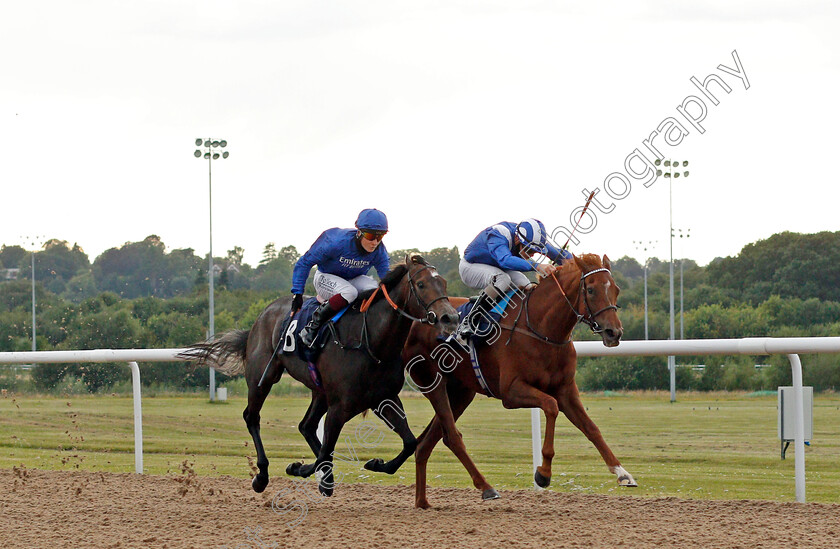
[589, 319]
[430, 318]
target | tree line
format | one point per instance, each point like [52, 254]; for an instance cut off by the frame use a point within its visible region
[141, 295]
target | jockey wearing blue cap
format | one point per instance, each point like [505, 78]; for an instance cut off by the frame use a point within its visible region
[343, 257]
[495, 260]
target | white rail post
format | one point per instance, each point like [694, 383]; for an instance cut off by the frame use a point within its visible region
[536, 449]
[799, 428]
[138, 418]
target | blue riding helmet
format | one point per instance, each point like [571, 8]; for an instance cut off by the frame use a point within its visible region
[372, 219]
[531, 233]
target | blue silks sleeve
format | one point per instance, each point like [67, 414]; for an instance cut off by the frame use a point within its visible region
[553, 253]
[383, 262]
[499, 249]
[312, 257]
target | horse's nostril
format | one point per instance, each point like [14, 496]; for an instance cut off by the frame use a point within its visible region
[447, 319]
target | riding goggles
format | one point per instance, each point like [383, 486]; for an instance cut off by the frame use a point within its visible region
[373, 235]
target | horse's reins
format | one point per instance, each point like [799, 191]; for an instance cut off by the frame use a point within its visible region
[430, 318]
[588, 319]
[364, 343]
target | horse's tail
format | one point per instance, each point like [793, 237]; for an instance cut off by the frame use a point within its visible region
[225, 354]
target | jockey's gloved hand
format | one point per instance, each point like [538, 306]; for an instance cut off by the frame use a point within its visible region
[297, 302]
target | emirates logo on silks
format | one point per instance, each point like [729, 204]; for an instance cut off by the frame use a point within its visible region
[353, 263]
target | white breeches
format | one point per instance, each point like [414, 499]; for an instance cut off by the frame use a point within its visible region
[479, 276]
[327, 285]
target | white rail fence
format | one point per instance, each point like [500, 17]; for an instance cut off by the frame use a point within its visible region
[792, 347]
[131, 356]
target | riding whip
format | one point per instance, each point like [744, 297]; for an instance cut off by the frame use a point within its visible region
[585, 207]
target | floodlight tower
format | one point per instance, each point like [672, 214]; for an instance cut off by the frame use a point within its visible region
[211, 153]
[644, 245]
[33, 243]
[671, 174]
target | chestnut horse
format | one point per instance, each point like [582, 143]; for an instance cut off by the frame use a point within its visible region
[362, 372]
[530, 362]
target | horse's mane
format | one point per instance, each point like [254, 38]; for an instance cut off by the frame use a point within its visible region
[591, 261]
[391, 279]
[570, 267]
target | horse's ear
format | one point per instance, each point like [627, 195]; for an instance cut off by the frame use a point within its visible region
[580, 264]
[607, 262]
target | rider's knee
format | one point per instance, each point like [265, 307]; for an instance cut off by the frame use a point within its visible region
[349, 293]
[499, 284]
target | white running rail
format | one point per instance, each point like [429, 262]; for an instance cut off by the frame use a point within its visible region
[790, 346]
[131, 356]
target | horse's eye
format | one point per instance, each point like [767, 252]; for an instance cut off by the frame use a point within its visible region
[590, 291]
[421, 285]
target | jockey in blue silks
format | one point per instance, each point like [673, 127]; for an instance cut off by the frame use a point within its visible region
[496, 259]
[343, 257]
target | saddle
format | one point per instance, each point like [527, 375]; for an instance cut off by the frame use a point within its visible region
[485, 322]
[290, 330]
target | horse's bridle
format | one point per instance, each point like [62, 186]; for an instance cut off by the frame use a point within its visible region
[430, 317]
[588, 318]
[364, 343]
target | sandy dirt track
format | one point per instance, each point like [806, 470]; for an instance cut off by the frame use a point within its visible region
[45, 509]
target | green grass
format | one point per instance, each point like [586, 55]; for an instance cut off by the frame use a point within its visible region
[720, 446]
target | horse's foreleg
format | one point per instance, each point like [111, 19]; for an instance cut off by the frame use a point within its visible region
[569, 400]
[251, 415]
[391, 412]
[309, 424]
[522, 395]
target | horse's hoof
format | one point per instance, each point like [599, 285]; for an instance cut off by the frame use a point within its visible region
[293, 469]
[259, 482]
[490, 493]
[422, 504]
[541, 481]
[326, 491]
[627, 482]
[376, 465]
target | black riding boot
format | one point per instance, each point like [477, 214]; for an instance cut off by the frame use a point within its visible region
[482, 307]
[322, 314]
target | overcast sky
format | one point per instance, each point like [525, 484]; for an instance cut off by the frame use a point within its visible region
[447, 115]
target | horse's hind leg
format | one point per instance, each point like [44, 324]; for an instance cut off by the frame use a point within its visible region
[425, 444]
[256, 398]
[569, 400]
[391, 412]
[309, 424]
[449, 403]
[333, 424]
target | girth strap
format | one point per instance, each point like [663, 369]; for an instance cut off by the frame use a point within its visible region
[477, 369]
